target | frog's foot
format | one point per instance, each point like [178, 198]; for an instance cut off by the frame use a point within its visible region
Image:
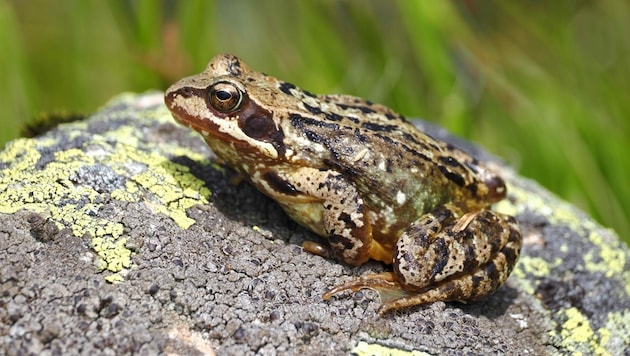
[374, 281]
[385, 284]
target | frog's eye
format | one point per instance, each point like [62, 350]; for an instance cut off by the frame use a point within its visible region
[225, 97]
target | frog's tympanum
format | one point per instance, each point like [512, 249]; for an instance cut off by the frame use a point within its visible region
[362, 177]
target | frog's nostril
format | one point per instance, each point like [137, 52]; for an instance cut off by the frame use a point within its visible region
[187, 92]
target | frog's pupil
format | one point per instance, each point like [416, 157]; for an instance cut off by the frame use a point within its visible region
[223, 95]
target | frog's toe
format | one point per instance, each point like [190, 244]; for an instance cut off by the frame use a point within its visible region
[408, 300]
[385, 284]
[453, 290]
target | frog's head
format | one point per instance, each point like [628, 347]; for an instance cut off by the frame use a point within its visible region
[226, 104]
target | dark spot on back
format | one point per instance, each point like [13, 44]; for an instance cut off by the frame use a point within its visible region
[472, 188]
[286, 88]
[453, 177]
[365, 109]
[313, 110]
[299, 121]
[362, 108]
[409, 137]
[449, 161]
[312, 136]
[385, 138]
[360, 137]
[333, 117]
[377, 127]
[415, 153]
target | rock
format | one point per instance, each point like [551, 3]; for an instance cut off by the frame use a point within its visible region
[119, 235]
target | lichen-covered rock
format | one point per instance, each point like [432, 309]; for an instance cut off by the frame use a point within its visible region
[119, 235]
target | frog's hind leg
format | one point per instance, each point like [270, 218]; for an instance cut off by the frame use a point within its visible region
[483, 282]
[448, 257]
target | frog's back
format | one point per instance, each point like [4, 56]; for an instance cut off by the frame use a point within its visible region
[391, 162]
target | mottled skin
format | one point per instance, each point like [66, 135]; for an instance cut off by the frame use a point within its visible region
[361, 176]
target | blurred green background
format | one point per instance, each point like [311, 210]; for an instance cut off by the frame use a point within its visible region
[543, 84]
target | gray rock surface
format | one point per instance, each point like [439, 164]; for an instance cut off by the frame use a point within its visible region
[118, 235]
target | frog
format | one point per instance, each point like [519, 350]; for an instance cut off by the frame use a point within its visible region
[363, 178]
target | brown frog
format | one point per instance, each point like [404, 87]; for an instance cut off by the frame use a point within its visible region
[362, 177]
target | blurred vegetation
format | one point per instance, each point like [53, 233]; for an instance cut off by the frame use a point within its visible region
[543, 84]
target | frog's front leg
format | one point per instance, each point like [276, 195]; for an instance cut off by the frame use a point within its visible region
[445, 256]
[328, 204]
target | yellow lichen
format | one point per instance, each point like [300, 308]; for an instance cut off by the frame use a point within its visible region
[532, 267]
[365, 349]
[115, 278]
[576, 330]
[606, 256]
[143, 166]
[612, 259]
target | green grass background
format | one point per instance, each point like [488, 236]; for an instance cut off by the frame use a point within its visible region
[543, 84]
